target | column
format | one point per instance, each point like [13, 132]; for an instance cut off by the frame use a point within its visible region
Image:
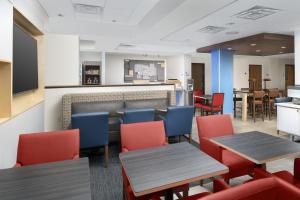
[222, 76]
[103, 68]
[297, 57]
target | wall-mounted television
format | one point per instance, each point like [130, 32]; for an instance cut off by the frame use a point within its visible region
[25, 61]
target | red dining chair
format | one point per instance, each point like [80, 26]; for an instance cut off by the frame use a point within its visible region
[45, 147]
[216, 126]
[284, 175]
[196, 93]
[216, 106]
[140, 136]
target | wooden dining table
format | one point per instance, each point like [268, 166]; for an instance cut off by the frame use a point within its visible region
[258, 147]
[64, 180]
[163, 168]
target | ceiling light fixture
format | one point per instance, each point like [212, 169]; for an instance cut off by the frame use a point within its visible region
[256, 12]
[232, 33]
[258, 50]
[283, 47]
[114, 21]
[280, 52]
[253, 45]
[229, 48]
[230, 24]
[60, 15]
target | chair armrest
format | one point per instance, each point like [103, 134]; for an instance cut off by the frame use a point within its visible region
[75, 157]
[297, 168]
[124, 149]
[219, 185]
[211, 148]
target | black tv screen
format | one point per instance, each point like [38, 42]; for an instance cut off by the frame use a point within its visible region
[25, 63]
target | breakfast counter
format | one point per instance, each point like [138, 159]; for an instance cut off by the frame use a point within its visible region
[288, 118]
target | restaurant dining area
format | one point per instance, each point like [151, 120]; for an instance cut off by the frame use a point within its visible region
[149, 100]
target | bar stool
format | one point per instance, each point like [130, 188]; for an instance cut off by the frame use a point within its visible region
[271, 101]
[258, 101]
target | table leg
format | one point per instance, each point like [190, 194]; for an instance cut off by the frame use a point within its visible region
[169, 194]
[244, 107]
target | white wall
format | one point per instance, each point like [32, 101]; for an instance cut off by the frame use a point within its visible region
[272, 67]
[61, 60]
[32, 120]
[28, 122]
[297, 57]
[206, 59]
[114, 66]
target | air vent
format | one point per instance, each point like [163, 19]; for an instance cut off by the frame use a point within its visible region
[88, 9]
[211, 29]
[126, 45]
[256, 12]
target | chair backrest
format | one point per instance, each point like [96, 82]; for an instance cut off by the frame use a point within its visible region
[138, 115]
[47, 147]
[179, 120]
[217, 99]
[267, 188]
[214, 126]
[142, 135]
[273, 94]
[258, 94]
[93, 128]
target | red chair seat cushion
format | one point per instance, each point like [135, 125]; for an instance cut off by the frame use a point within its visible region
[287, 176]
[208, 107]
[236, 163]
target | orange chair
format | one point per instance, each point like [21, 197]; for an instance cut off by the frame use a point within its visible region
[140, 136]
[45, 147]
[196, 93]
[216, 126]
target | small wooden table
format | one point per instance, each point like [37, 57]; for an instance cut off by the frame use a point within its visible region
[163, 168]
[66, 180]
[258, 147]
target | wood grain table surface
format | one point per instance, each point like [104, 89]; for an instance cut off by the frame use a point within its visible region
[258, 147]
[156, 169]
[65, 180]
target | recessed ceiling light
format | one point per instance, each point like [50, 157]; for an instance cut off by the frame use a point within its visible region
[114, 21]
[229, 48]
[283, 47]
[60, 15]
[258, 50]
[232, 32]
[280, 52]
[253, 44]
[230, 24]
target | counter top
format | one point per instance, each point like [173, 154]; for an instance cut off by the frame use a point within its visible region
[116, 85]
[288, 105]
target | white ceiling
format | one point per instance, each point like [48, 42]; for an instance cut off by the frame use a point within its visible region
[165, 26]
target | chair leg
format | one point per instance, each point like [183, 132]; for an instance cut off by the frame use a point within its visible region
[185, 193]
[179, 138]
[106, 155]
[201, 182]
[278, 132]
[254, 112]
[190, 138]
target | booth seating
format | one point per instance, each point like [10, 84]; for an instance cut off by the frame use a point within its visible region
[112, 102]
[138, 115]
[45, 147]
[216, 126]
[93, 130]
[178, 121]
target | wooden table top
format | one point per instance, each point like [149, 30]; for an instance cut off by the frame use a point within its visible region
[258, 147]
[66, 180]
[156, 169]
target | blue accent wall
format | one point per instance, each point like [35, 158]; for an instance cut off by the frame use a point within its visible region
[222, 76]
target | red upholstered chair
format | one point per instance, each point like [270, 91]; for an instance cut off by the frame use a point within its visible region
[47, 147]
[140, 136]
[262, 189]
[216, 126]
[284, 175]
[198, 92]
[216, 105]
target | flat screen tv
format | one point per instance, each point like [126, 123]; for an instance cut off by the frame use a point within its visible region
[25, 63]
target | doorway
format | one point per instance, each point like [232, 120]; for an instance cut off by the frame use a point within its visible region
[289, 76]
[255, 77]
[198, 75]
